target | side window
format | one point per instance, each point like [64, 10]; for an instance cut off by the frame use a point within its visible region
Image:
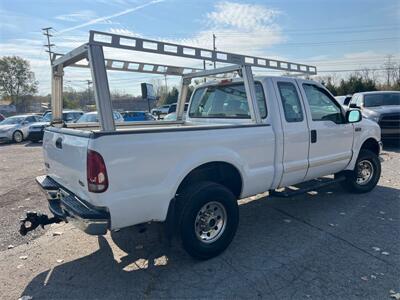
[290, 102]
[30, 119]
[322, 106]
[225, 101]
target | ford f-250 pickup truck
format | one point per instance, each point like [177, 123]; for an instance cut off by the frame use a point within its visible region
[240, 137]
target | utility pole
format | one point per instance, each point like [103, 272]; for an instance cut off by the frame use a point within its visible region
[215, 49]
[89, 82]
[46, 32]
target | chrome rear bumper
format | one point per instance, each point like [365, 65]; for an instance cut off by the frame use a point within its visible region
[66, 205]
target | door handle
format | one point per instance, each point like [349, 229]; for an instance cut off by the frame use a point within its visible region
[313, 136]
[59, 143]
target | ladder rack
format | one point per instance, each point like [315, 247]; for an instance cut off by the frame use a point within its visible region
[165, 48]
[93, 53]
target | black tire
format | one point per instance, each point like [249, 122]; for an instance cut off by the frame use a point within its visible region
[17, 136]
[200, 196]
[352, 185]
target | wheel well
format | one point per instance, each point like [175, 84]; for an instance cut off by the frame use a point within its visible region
[371, 145]
[219, 172]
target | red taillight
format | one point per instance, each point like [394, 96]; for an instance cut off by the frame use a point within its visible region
[96, 172]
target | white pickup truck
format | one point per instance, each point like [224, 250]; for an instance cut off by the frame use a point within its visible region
[240, 137]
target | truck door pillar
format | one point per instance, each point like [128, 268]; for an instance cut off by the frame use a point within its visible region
[101, 88]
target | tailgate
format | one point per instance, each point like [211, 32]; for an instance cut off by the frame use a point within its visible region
[65, 153]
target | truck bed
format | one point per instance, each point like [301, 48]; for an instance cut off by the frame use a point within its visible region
[144, 127]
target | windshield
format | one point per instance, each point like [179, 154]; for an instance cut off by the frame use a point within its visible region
[381, 99]
[47, 117]
[12, 120]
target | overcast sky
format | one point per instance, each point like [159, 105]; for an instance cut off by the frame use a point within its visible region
[333, 35]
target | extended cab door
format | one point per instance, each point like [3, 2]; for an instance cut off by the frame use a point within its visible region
[296, 138]
[331, 138]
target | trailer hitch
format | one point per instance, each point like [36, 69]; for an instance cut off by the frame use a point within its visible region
[34, 219]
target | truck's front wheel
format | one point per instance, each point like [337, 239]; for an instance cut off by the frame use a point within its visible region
[365, 175]
[208, 219]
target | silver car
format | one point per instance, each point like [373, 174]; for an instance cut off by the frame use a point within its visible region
[382, 107]
[16, 128]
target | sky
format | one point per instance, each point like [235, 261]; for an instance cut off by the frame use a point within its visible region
[335, 35]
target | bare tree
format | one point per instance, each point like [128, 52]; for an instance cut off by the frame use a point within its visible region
[16, 78]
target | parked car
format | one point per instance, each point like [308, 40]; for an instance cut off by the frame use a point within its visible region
[344, 100]
[160, 111]
[92, 117]
[16, 128]
[382, 107]
[130, 116]
[172, 116]
[172, 107]
[2, 117]
[35, 131]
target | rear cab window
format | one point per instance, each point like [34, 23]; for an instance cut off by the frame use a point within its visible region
[227, 101]
[290, 102]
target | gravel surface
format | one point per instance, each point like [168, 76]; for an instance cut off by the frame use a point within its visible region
[19, 165]
[328, 245]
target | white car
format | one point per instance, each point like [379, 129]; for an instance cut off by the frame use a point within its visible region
[92, 117]
[161, 111]
[16, 128]
[344, 100]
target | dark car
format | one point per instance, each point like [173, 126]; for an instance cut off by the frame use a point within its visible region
[172, 107]
[382, 107]
[36, 130]
[130, 116]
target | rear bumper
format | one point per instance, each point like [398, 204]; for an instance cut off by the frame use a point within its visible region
[67, 206]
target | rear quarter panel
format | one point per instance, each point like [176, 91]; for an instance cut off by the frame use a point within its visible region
[145, 170]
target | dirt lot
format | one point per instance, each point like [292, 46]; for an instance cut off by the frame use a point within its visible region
[329, 245]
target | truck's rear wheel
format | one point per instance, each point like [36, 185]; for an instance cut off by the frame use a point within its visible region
[208, 219]
[365, 175]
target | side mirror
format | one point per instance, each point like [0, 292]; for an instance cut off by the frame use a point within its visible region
[25, 123]
[353, 116]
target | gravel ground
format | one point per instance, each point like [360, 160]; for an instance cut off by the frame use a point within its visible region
[19, 165]
[328, 245]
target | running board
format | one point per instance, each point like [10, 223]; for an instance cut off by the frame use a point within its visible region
[305, 187]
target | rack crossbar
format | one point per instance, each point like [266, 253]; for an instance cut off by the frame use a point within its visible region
[165, 48]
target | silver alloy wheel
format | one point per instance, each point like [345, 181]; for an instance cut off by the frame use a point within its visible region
[365, 172]
[18, 137]
[210, 222]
